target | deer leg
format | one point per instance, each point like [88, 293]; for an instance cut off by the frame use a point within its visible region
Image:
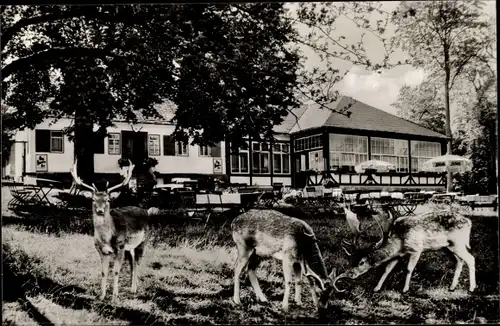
[414, 257]
[458, 271]
[297, 271]
[470, 261]
[314, 296]
[116, 272]
[288, 275]
[242, 261]
[133, 272]
[253, 262]
[388, 269]
[105, 259]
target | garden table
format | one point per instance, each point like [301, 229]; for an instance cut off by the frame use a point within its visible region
[41, 188]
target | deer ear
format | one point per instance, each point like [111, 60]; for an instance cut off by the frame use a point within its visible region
[87, 194]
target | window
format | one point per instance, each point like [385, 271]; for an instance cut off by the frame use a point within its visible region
[210, 151]
[422, 151]
[260, 157]
[181, 149]
[281, 158]
[205, 150]
[239, 161]
[114, 147]
[154, 145]
[347, 150]
[310, 142]
[56, 142]
[393, 151]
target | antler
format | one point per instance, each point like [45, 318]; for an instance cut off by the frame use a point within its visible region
[79, 181]
[126, 180]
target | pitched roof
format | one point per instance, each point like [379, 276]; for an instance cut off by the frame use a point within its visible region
[166, 110]
[290, 120]
[363, 117]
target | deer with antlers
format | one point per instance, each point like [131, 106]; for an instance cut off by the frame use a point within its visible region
[412, 235]
[262, 234]
[116, 231]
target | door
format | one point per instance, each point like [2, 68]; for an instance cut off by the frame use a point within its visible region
[134, 146]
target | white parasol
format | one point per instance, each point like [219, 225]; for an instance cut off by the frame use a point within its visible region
[454, 162]
[377, 165]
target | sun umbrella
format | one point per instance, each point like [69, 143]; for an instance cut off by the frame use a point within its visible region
[377, 165]
[454, 162]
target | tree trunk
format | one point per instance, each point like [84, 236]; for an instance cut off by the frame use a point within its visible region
[449, 177]
[84, 150]
[492, 166]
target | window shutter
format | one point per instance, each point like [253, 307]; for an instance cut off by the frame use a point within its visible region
[42, 140]
[168, 145]
[98, 144]
[216, 150]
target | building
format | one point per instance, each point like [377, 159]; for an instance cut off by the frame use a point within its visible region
[311, 145]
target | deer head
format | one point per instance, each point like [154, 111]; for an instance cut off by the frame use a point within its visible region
[359, 257]
[100, 199]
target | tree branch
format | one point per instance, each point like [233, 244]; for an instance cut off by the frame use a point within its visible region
[42, 58]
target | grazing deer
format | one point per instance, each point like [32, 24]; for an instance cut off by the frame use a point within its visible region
[116, 231]
[354, 222]
[412, 235]
[270, 234]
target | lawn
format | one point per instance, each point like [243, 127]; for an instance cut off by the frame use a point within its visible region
[186, 278]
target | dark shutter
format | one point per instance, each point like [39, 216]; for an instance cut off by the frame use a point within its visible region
[216, 150]
[42, 141]
[98, 144]
[168, 145]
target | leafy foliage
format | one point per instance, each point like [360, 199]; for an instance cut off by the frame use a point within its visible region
[422, 104]
[326, 24]
[7, 136]
[112, 60]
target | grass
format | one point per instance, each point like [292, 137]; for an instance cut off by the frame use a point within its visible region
[186, 278]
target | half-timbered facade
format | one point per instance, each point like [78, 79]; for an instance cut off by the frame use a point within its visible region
[327, 146]
[311, 146]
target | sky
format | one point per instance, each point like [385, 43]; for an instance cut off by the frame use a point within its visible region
[379, 89]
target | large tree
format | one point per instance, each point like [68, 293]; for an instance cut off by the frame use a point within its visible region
[422, 104]
[445, 37]
[228, 68]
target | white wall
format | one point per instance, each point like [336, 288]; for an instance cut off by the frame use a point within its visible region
[105, 163]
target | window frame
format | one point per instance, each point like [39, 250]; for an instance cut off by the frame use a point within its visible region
[261, 154]
[151, 137]
[62, 141]
[391, 153]
[119, 143]
[181, 144]
[281, 153]
[239, 153]
[308, 143]
[339, 154]
[208, 148]
[417, 160]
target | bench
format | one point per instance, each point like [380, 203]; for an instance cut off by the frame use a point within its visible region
[207, 204]
[476, 201]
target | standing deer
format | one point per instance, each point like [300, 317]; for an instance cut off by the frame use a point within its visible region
[116, 231]
[261, 234]
[412, 235]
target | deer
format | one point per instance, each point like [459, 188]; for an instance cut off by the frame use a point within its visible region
[116, 231]
[412, 235]
[354, 223]
[266, 234]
